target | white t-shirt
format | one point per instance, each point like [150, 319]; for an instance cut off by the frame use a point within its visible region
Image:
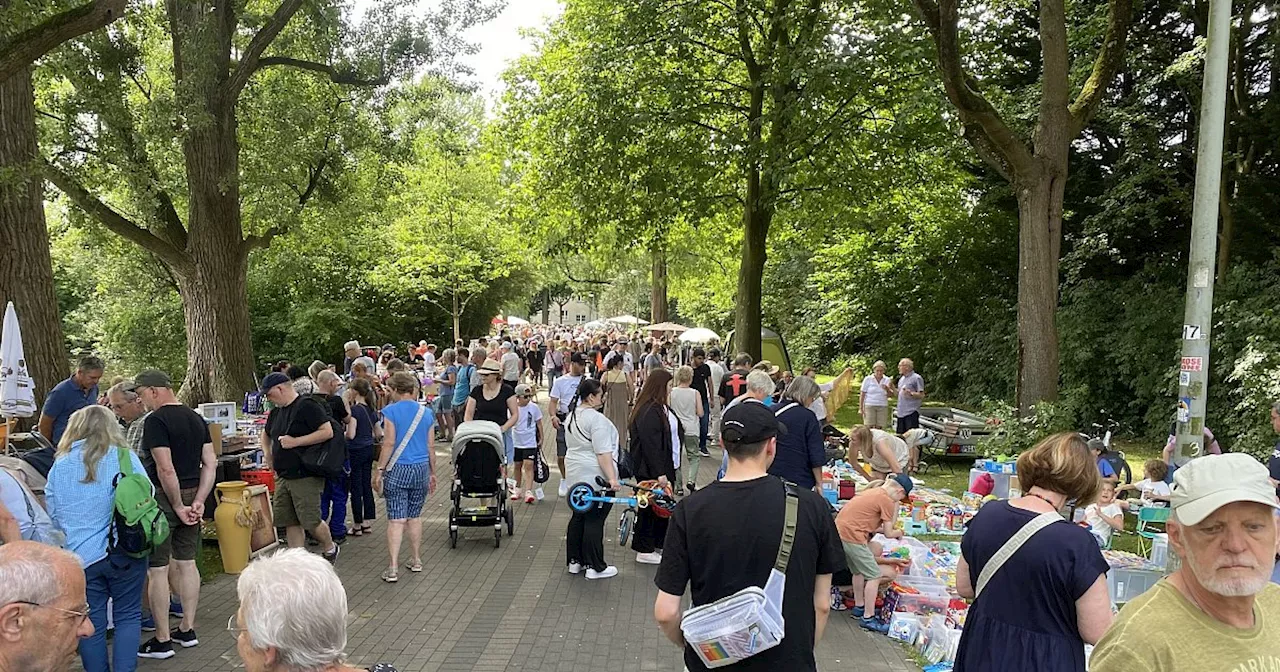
[526, 430]
[510, 366]
[429, 363]
[717, 375]
[675, 438]
[875, 394]
[588, 433]
[1147, 488]
[1097, 525]
[563, 391]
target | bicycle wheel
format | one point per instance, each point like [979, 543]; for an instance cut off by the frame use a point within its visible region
[625, 523]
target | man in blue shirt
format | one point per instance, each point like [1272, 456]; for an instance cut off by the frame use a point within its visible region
[67, 397]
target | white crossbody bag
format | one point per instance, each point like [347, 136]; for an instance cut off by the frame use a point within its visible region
[1020, 538]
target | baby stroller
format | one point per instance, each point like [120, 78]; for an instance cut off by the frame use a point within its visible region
[478, 454]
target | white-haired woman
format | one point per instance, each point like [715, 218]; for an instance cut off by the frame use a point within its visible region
[292, 616]
[873, 399]
[80, 497]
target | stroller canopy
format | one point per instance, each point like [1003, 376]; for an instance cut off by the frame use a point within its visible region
[479, 430]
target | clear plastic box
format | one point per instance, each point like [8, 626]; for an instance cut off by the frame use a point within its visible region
[1127, 584]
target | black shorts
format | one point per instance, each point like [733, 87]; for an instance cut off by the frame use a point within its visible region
[523, 454]
[908, 421]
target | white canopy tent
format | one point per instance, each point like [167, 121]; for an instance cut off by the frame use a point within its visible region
[516, 321]
[699, 335]
[627, 319]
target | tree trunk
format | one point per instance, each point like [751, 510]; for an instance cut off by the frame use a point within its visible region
[1039, 241]
[658, 286]
[26, 272]
[546, 306]
[457, 319]
[215, 304]
[756, 217]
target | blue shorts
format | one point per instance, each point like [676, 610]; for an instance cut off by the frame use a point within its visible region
[405, 489]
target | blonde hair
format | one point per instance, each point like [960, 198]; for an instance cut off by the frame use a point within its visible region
[99, 429]
[862, 438]
[403, 382]
[1061, 463]
[683, 375]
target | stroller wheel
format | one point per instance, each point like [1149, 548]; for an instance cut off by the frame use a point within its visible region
[453, 538]
[510, 517]
[578, 497]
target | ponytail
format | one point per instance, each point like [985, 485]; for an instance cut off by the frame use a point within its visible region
[586, 388]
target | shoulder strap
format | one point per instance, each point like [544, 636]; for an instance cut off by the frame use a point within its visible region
[1011, 546]
[788, 529]
[404, 440]
[126, 464]
[784, 409]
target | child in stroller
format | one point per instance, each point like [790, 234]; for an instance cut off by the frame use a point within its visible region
[479, 473]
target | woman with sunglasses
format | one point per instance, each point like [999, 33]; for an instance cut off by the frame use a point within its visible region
[81, 499]
[496, 402]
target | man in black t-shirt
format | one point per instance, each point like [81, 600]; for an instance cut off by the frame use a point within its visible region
[726, 536]
[333, 501]
[296, 423]
[182, 468]
[734, 384]
[702, 383]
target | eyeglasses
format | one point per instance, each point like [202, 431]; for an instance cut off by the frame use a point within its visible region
[234, 629]
[81, 616]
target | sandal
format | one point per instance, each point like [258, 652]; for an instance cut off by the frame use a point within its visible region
[389, 575]
[356, 532]
[414, 566]
[366, 529]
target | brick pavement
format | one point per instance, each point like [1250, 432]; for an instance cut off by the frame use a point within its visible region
[480, 609]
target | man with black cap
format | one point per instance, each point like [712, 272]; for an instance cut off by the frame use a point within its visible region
[183, 468]
[725, 537]
[294, 424]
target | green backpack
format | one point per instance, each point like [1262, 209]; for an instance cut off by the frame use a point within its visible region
[139, 524]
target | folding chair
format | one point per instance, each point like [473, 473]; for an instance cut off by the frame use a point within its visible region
[1150, 515]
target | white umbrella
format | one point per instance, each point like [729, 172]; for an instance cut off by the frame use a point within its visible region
[516, 321]
[594, 324]
[17, 389]
[627, 319]
[699, 335]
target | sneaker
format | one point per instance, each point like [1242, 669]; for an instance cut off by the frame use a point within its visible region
[148, 623]
[649, 558]
[539, 494]
[332, 556]
[564, 488]
[874, 625]
[529, 498]
[856, 613]
[389, 575]
[156, 649]
[186, 638]
[704, 452]
[602, 574]
[175, 608]
[515, 494]
[575, 567]
[691, 486]
[837, 600]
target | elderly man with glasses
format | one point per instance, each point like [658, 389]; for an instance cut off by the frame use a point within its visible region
[43, 614]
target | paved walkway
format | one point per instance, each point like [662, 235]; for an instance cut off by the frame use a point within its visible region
[480, 609]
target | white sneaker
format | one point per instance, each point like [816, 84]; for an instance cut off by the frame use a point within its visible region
[538, 493]
[564, 488]
[606, 573]
[575, 567]
[515, 494]
[649, 558]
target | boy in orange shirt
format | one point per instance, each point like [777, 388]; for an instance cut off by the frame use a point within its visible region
[861, 517]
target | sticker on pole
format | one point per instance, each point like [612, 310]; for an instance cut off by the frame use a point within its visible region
[1193, 363]
[1184, 378]
[1191, 332]
[1184, 409]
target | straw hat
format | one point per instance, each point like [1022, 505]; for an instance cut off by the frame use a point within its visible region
[490, 366]
[768, 367]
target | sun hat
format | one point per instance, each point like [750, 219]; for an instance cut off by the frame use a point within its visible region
[490, 366]
[1209, 483]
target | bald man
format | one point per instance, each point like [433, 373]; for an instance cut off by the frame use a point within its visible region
[43, 613]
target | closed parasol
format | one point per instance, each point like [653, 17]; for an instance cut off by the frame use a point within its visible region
[17, 389]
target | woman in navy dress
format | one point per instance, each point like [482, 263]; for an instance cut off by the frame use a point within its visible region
[1050, 598]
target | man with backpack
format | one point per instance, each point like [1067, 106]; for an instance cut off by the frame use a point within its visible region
[729, 536]
[183, 468]
[296, 423]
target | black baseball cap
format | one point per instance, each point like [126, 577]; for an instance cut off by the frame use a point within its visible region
[578, 358]
[750, 422]
[152, 378]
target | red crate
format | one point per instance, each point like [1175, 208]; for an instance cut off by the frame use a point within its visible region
[260, 477]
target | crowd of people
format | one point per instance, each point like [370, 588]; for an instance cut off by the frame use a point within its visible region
[623, 410]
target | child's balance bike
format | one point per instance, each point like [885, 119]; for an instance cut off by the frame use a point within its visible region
[647, 495]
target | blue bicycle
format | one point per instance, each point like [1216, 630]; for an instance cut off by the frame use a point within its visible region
[647, 495]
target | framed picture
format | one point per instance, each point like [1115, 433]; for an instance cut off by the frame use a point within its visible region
[262, 538]
[221, 412]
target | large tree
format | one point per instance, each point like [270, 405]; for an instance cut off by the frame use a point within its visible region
[28, 31]
[190, 112]
[1035, 166]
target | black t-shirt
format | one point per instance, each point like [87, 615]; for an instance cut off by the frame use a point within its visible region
[702, 381]
[725, 537]
[184, 433]
[307, 416]
[337, 409]
[495, 409]
[734, 385]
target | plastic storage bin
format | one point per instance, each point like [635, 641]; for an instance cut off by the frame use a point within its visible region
[1127, 584]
